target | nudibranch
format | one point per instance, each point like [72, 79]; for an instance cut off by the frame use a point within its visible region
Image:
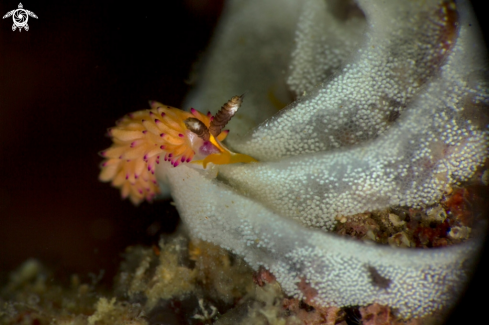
[141, 139]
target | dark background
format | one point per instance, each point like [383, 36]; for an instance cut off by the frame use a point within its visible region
[81, 66]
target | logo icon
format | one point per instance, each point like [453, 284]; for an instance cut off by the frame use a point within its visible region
[20, 17]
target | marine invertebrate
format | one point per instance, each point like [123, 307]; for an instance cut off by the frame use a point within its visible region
[425, 147]
[386, 116]
[143, 137]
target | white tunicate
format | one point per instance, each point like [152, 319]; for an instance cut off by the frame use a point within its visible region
[403, 48]
[429, 147]
[391, 113]
[344, 272]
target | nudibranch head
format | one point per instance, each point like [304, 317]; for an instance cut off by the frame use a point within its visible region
[143, 138]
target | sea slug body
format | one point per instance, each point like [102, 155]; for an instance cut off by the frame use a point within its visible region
[143, 138]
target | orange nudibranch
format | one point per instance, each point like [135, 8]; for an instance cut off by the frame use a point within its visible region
[141, 139]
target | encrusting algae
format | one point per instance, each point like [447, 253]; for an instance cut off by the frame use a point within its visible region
[141, 139]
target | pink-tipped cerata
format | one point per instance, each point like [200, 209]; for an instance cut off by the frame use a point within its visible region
[144, 138]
